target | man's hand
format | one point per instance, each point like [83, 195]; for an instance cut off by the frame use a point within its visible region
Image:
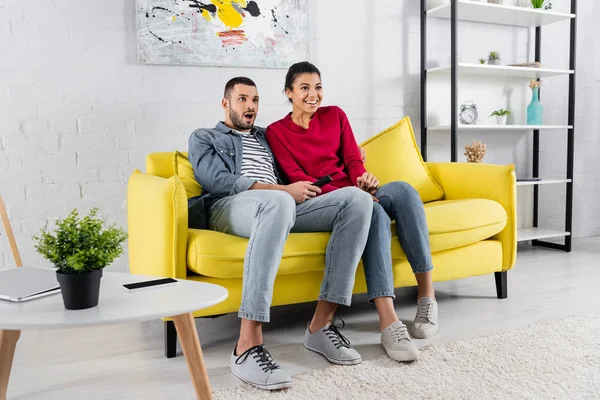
[368, 182]
[302, 191]
[363, 154]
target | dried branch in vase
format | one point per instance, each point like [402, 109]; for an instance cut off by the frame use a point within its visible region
[475, 152]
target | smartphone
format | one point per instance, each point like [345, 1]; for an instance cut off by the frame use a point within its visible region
[148, 284]
[323, 181]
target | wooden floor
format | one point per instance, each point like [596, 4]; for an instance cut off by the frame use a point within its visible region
[127, 361]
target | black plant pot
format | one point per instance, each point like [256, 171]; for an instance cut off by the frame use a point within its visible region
[80, 291]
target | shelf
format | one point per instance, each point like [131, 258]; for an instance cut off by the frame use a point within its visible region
[499, 14]
[542, 182]
[501, 70]
[499, 127]
[525, 234]
[485, 13]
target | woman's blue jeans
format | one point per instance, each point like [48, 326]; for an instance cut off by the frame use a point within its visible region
[399, 202]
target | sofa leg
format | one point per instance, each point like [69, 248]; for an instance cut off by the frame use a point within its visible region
[170, 339]
[501, 284]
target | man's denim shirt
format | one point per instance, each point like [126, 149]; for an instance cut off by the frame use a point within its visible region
[216, 156]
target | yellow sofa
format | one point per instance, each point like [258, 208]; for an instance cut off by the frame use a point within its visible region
[470, 211]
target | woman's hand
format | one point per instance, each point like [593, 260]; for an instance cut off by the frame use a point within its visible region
[368, 182]
[363, 154]
[302, 191]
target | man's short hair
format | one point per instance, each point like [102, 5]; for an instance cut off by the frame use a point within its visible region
[239, 80]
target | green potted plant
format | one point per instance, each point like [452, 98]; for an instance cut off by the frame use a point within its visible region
[545, 4]
[482, 61]
[500, 115]
[79, 250]
[494, 58]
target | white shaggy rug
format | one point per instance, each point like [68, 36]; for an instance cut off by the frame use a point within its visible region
[551, 360]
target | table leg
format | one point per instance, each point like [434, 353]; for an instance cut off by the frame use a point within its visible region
[188, 337]
[8, 343]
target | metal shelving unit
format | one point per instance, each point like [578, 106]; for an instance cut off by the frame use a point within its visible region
[487, 13]
[499, 128]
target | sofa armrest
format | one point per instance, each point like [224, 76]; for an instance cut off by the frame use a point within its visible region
[157, 222]
[485, 181]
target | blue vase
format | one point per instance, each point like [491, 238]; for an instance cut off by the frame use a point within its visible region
[535, 109]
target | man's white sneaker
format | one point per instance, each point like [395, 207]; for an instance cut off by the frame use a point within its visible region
[397, 344]
[426, 320]
[334, 346]
[256, 367]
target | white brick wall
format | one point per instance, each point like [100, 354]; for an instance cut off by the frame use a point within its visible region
[78, 113]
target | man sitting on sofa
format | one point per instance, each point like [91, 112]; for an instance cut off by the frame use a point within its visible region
[244, 196]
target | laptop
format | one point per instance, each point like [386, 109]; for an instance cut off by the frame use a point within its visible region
[27, 283]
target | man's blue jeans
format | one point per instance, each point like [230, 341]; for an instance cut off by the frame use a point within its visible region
[266, 217]
[400, 202]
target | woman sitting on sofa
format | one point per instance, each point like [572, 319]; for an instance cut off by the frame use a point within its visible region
[312, 142]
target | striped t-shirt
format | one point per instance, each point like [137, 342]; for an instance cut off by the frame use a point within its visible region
[257, 164]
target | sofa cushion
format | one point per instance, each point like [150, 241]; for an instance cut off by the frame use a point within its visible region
[457, 223]
[184, 170]
[452, 224]
[393, 155]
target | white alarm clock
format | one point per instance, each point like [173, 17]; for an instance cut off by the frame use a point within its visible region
[468, 114]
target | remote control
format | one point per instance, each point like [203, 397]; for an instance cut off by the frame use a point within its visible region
[147, 284]
[323, 181]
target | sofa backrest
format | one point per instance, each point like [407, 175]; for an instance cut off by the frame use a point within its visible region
[160, 164]
[168, 164]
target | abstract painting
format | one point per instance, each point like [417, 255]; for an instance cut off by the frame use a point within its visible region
[237, 33]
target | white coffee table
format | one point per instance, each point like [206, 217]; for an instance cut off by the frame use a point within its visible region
[116, 305]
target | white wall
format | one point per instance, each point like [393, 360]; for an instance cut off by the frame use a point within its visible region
[79, 114]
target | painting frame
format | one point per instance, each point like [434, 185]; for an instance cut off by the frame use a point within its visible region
[237, 59]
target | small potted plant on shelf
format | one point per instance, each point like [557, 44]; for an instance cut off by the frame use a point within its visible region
[475, 151]
[545, 4]
[500, 115]
[80, 249]
[494, 58]
[482, 61]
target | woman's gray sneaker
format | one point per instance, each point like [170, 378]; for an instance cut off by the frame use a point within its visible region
[426, 320]
[397, 343]
[256, 367]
